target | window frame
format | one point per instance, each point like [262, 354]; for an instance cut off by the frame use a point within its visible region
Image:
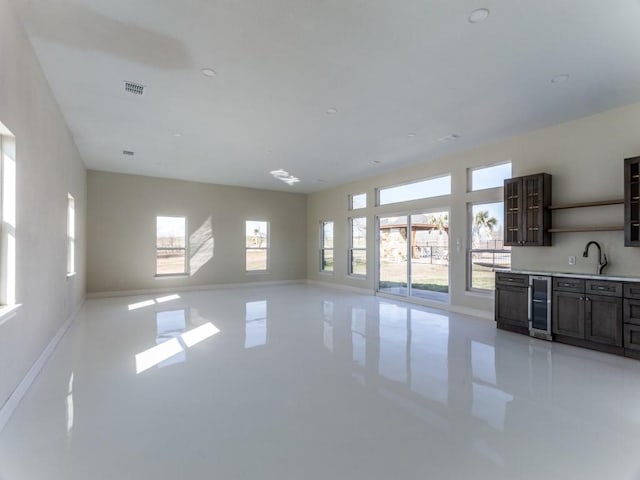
[185, 248]
[470, 250]
[323, 249]
[8, 224]
[353, 249]
[379, 190]
[71, 235]
[265, 248]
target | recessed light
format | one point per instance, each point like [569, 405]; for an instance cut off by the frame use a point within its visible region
[129, 153]
[478, 15]
[411, 135]
[560, 78]
[208, 72]
[449, 138]
[176, 134]
[376, 162]
[332, 110]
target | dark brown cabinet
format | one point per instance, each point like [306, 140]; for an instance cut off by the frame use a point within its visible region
[511, 302]
[527, 217]
[582, 318]
[632, 202]
[631, 317]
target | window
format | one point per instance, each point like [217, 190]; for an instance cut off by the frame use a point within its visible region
[326, 246]
[257, 246]
[487, 245]
[171, 246]
[8, 217]
[489, 177]
[357, 201]
[71, 235]
[358, 246]
[433, 187]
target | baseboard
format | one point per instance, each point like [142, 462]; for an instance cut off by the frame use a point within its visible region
[339, 286]
[14, 399]
[189, 288]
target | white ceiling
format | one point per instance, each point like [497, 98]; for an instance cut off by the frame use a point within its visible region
[390, 67]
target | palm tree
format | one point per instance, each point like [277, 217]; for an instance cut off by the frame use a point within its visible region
[482, 221]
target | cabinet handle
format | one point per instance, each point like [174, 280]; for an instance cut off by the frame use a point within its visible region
[581, 298]
[565, 284]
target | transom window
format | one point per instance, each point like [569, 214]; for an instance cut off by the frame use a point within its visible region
[357, 201]
[433, 187]
[489, 177]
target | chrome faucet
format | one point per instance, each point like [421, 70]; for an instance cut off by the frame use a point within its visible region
[602, 258]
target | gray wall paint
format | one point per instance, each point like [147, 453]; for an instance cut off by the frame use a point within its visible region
[585, 158]
[121, 231]
[48, 167]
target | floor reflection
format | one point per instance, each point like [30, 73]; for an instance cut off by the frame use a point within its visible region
[255, 329]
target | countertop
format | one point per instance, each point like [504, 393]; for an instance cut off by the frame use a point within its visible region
[614, 278]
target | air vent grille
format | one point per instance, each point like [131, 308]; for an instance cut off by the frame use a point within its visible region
[127, 152]
[134, 88]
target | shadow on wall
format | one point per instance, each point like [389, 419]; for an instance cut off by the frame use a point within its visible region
[79, 27]
[201, 244]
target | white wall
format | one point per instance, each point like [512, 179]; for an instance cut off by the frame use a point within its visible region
[48, 167]
[585, 158]
[122, 222]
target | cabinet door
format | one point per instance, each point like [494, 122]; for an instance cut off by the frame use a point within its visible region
[511, 306]
[513, 199]
[604, 320]
[536, 190]
[632, 202]
[568, 314]
[632, 337]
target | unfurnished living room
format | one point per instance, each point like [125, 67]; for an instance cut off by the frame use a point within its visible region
[319, 239]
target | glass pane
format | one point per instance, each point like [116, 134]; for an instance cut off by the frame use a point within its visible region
[256, 259]
[256, 234]
[359, 262]
[490, 177]
[434, 187]
[487, 244]
[170, 261]
[358, 201]
[359, 232]
[171, 232]
[430, 256]
[327, 260]
[327, 234]
[393, 255]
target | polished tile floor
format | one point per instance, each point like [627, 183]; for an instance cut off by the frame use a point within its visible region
[300, 382]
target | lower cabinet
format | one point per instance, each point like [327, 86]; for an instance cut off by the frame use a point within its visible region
[592, 321]
[567, 317]
[511, 302]
[604, 320]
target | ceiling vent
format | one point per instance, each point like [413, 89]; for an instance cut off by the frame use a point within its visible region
[128, 152]
[134, 88]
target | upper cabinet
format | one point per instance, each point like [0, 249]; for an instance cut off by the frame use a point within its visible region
[527, 217]
[632, 202]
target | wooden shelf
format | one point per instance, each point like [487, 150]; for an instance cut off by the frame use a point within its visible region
[600, 203]
[592, 228]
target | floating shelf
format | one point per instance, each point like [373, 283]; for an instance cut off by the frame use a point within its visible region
[600, 203]
[593, 228]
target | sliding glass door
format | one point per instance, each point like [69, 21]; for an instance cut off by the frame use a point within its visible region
[414, 255]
